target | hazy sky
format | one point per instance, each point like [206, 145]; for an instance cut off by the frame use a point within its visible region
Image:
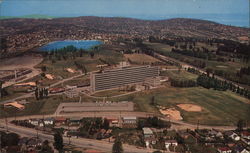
[231, 12]
[121, 7]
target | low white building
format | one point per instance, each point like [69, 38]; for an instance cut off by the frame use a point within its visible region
[232, 135]
[48, 121]
[169, 143]
[34, 122]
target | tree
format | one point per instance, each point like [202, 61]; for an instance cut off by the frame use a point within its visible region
[58, 141]
[92, 54]
[1, 86]
[43, 68]
[37, 94]
[152, 100]
[240, 125]
[46, 148]
[106, 124]
[117, 146]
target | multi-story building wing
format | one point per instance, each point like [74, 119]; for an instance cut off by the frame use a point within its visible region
[123, 76]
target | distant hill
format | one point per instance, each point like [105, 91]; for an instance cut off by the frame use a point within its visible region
[32, 16]
[18, 33]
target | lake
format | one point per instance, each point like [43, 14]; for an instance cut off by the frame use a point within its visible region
[84, 44]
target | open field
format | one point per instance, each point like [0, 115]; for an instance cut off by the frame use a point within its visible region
[58, 67]
[109, 93]
[218, 107]
[14, 63]
[141, 58]
[179, 75]
[41, 107]
[216, 65]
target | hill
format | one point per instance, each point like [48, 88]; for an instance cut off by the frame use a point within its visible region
[24, 33]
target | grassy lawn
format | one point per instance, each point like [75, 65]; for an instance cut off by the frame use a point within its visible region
[109, 93]
[39, 107]
[226, 66]
[13, 93]
[59, 67]
[141, 58]
[179, 75]
[218, 107]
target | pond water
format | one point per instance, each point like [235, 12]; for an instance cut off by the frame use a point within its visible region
[84, 44]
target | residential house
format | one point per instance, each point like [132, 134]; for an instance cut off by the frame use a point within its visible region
[169, 143]
[75, 121]
[34, 142]
[129, 122]
[148, 136]
[224, 150]
[34, 122]
[240, 149]
[60, 120]
[147, 132]
[232, 135]
[245, 135]
[48, 121]
[113, 122]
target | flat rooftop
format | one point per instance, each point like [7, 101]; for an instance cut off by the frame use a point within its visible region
[95, 107]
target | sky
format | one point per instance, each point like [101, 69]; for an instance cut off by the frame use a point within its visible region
[144, 9]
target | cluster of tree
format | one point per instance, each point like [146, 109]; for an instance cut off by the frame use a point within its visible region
[153, 39]
[207, 81]
[91, 126]
[194, 62]
[81, 67]
[233, 47]
[1, 88]
[197, 63]
[193, 70]
[182, 83]
[104, 61]
[211, 82]
[153, 122]
[58, 141]
[8, 139]
[41, 93]
[244, 70]
[238, 77]
[195, 53]
[68, 52]
[117, 146]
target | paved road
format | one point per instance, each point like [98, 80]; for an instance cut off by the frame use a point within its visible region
[80, 142]
[181, 125]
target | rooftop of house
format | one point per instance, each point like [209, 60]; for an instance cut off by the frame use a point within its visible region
[245, 133]
[224, 149]
[147, 131]
[129, 118]
[170, 141]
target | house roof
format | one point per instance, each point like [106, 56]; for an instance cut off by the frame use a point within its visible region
[60, 119]
[147, 131]
[170, 141]
[245, 133]
[224, 149]
[130, 118]
[15, 104]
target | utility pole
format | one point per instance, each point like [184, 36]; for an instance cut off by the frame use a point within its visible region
[68, 135]
[198, 123]
[6, 123]
[37, 133]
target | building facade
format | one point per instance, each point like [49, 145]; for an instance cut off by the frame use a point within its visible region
[123, 76]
